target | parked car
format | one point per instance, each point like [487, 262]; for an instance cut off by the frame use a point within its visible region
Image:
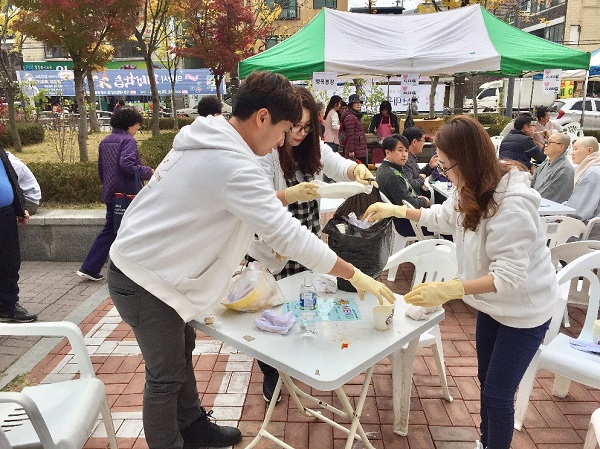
[567, 110]
[193, 112]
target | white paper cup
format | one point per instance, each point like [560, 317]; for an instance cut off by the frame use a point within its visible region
[383, 317]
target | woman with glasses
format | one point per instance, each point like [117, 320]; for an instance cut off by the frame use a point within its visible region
[299, 159]
[504, 267]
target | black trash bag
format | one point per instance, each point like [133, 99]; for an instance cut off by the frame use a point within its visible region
[366, 249]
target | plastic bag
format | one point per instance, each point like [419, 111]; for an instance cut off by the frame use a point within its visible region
[366, 249]
[253, 289]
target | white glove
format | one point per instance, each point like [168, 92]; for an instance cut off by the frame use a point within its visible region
[363, 175]
[378, 211]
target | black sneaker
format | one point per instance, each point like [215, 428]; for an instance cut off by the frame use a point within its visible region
[89, 276]
[204, 433]
[269, 384]
[20, 315]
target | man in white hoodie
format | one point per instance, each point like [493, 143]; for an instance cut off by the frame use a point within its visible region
[183, 237]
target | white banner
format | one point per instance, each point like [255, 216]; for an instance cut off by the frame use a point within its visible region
[410, 79]
[552, 80]
[324, 80]
[400, 97]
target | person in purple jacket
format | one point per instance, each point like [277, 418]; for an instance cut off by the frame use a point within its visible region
[118, 156]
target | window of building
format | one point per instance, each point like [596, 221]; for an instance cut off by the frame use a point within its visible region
[318, 4]
[128, 49]
[555, 33]
[574, 34]
[289, 9]
[57, 51]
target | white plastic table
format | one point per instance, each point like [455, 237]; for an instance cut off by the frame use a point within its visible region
[547, 207]
[338, 353]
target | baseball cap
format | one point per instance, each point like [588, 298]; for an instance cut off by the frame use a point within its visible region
[354, 99]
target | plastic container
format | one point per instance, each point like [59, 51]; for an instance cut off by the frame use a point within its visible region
[308, 295]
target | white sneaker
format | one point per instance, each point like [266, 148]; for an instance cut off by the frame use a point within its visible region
[478, 445]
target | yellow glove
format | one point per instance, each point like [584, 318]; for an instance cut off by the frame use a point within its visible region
[363, 283]
[384, 210]
[305, 191]
[432, 294]
[363, 175]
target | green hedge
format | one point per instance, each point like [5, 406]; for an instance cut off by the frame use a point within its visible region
[30, 133]
[496, 122]
[154, 149]
[167, 123]
[76, 183]
[594, 133]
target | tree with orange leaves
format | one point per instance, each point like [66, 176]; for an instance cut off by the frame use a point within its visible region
[81, 27]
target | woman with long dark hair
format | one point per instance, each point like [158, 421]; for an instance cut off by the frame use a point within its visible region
[504, 267]
[299, 160]
[332, 123]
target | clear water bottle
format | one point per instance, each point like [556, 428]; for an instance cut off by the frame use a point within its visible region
[308, 295]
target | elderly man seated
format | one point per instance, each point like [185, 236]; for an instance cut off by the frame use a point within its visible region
[554, 177]
[519, 144]
[586, 195]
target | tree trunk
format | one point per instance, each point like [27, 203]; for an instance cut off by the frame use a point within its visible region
[359, 83]
[234, 84]
[12, 122]
[154, 90]
[434, 83]
[218, 80]
[94, 124]
[459, 93]
[80, 99]
[173, 109]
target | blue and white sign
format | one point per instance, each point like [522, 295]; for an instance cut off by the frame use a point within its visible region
[120, 82]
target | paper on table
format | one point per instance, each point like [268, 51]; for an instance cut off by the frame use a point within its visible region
[585, 346]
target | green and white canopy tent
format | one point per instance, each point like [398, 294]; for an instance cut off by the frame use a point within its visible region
[463, 40]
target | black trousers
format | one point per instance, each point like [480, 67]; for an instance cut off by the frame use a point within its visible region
[10, 260]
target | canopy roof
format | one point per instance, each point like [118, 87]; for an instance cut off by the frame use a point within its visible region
[468, 39]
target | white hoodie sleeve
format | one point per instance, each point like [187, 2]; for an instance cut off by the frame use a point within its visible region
[509, 238]
[440, 218]
[334, 165]
[260, 209]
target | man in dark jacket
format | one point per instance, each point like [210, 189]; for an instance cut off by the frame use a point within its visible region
[355, 139]
[519, 144]
[11, 213]
[411, 170]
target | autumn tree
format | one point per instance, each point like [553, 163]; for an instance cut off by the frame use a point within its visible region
[9, 63]
[81, 27]
[221, 33]
[149, 34]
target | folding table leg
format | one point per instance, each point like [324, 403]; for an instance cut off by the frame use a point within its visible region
[402, 371]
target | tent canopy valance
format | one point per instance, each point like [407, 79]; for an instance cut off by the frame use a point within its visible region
[463, 40]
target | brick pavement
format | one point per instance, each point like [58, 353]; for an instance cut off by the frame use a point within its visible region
[53, 291]
[230, 383]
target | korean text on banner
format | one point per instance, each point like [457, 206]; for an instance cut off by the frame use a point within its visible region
[552, 80]
[324, 80]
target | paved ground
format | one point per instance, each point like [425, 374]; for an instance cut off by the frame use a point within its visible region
[54, 292]
[230, 382]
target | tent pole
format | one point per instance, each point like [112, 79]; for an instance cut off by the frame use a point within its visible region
[585, 84]
[388, 95]
[519, 97]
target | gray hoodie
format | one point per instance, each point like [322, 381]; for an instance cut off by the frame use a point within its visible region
[510, 246]
[184, 235]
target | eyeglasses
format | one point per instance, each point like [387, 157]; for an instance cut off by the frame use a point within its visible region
[548, 143]
[297, 128]
[443, 170]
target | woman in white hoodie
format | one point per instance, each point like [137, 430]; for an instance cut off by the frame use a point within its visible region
[296, 162]
[504, 267]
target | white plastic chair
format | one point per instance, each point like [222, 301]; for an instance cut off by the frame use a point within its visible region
[434, 260]
[559, 229]
[589, 231]
[497, 140]
[430, 190]
[572, 127]
[56, 415]
[592, 438]
[577, 292]
[556, 354]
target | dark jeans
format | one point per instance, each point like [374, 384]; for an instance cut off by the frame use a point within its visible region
[170, 395]
[98, 254]
[335, 148]
[10, 260]
[503, 354]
